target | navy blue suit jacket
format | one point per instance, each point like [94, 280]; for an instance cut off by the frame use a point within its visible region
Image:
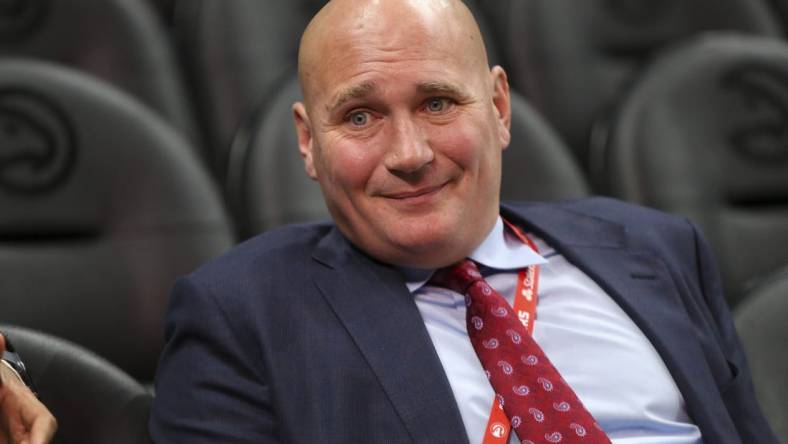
[296, 336]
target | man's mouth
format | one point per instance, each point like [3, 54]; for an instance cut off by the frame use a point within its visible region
[417, 193]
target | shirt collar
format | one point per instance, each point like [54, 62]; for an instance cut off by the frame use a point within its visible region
[500, 250]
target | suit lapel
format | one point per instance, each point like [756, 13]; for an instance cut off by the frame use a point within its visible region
[377, 310]
[641, 283]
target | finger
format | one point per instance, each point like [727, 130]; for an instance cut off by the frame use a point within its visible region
[43, 429]
[2, 350]
[37, 419]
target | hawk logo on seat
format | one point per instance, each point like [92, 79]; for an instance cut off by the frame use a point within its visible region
[37, 149]
[21, 18]
[761, 133]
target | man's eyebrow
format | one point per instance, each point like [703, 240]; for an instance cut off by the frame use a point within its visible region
[364, 89]
[351, 93]
[442, 88]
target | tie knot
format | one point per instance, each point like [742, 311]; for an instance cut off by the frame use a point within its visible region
[458, 277]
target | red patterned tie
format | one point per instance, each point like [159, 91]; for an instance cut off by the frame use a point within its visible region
[539, 403]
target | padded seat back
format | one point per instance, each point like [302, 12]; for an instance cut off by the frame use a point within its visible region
[119, 41]
[760, 321]
[103, 205]
[270, 187]
[573, 58]
[93, 401]
[537, 165]
[704, 133]
[780, 7]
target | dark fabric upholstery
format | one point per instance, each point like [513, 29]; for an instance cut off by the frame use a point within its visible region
[704, 133]
[761, 323]
[103, 205]
[537, 165]
[165, 9]
[573, 58]
[780, 8]
[270, 188]
[119, 41]
[267, 183]
[239, 54]
[93, 401]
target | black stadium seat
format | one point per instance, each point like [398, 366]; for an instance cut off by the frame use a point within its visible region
[166, 9]
[103, 205]
[704, 133]
[780, 8]
[572, 59]
[119, 41]
[537, 165]
[269, 186]
[760, 321]
[94, 402]
[237, 52]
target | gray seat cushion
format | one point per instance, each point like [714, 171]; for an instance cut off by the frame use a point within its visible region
[93, 401]
[104, 205]
[120, 42]
[572, 58]
[704, 133]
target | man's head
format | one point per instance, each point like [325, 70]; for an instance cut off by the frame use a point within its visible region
[403, 125]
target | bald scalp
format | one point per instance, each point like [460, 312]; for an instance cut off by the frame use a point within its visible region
[341, 22]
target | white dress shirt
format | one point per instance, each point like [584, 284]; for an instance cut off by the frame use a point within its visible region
[597, 348]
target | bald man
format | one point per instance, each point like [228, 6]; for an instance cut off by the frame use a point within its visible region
[344, 332]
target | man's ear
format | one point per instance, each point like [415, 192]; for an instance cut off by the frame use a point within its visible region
[305, 139]
[502, 104]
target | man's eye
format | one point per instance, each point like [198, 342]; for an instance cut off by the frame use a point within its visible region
[359, 118]
[437, 104]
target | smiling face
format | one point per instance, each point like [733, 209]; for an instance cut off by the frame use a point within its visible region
[403, 127]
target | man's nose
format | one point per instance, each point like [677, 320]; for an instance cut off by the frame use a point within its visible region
[410, 150]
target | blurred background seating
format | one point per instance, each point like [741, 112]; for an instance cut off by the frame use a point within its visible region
[94, 401]
[103, 205]
[237, 53]
[780, 8]
[573, 59]
[121, 42]
[704, 133]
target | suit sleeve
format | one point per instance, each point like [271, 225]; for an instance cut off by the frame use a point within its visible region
[210, 384]
[738, 394]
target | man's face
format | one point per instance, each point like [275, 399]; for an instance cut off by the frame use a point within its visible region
[404, 132]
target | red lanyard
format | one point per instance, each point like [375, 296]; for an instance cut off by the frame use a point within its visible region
[525, 298]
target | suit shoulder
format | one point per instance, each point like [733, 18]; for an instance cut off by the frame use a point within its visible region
[623, 212]
[645, 227]
[605, 208]
[290, 245]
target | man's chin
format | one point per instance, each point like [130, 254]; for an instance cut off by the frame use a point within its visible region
[431, 249]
